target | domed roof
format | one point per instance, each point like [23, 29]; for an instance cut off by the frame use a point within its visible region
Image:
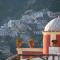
[53, 25]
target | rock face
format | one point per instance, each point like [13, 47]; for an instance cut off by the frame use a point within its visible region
[13, 9]
[30, 22]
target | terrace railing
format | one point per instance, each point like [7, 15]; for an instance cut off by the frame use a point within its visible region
[41, 57]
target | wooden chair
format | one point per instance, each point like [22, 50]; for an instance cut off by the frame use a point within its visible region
[31, 43]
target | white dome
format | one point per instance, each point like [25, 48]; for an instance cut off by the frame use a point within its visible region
[53, 25]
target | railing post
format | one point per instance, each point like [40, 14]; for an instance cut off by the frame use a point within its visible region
[53, 57]
[47, 58]
[58, 57]
[29, 58]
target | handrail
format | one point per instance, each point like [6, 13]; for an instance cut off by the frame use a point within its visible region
[38, 54]
[15, 56]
